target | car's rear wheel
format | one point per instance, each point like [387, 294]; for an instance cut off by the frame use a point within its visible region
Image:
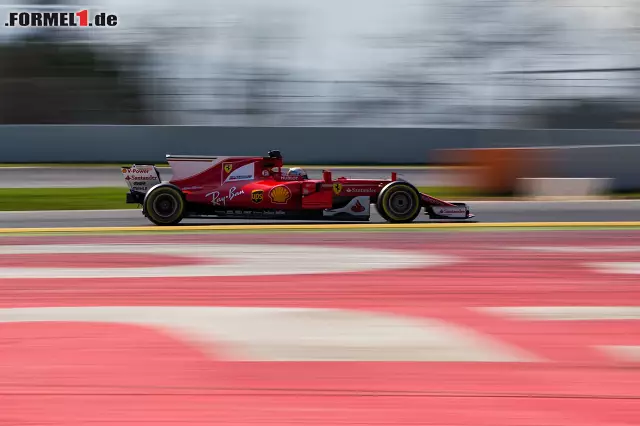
[164, 205]
[399, 202]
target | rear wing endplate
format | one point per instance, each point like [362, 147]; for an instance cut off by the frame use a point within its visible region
[141, 178]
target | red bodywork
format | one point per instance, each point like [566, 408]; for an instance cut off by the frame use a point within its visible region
[256, 187]
[261, 185]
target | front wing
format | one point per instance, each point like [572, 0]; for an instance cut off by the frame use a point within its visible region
[439, 209]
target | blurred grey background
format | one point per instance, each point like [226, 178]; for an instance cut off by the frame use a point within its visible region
[467, 63]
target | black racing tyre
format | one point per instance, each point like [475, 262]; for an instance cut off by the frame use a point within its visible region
[399, 202]
[164, 205]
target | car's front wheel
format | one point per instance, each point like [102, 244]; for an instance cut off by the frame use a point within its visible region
[164, 205]
[399, 202]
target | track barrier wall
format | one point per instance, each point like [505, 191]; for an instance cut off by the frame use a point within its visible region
[497, 170]
[555, 153]
[310, 145]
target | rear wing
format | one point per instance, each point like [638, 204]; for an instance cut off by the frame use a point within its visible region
[141, 179]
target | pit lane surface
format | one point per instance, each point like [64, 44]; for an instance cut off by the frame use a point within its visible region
[486, 212]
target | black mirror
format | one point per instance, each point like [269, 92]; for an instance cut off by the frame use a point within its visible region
[275, 154]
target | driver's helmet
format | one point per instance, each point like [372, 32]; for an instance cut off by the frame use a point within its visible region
[297, 172]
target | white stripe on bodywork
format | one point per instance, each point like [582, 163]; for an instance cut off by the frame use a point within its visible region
[295, 334]
[242, 173]
[182, 168]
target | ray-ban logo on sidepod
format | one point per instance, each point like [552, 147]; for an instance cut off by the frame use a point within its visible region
[34, 18]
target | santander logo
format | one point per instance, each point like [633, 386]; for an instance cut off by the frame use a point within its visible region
[357, 207]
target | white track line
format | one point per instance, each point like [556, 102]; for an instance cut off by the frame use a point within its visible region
[566, 313]
[245, 260]
[624, 268]
[292, 334]
[622, 353]
[578, 249]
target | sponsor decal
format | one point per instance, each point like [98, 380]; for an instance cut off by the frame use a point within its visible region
[227, 167]
[280, 194]
[291, 178]
[337, 188]
[451, 210]
[138, 171]
[265, 173]
[240, 177]
[257, 196]
[357, 207]
[245, 172]
[144, 178]
[217, 200]
[360, 190]
[275, 169]
[141, 178]
[191, 188]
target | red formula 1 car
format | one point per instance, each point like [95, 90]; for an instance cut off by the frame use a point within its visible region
[257, 187]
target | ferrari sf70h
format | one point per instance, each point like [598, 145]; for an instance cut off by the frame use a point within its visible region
[258, 187]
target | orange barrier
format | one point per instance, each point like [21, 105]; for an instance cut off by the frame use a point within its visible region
[497, 170]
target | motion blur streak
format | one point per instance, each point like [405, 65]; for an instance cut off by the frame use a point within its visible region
[497, 63]
[513, 334]
[464, 324]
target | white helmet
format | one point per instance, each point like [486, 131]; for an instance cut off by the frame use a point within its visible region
[297, 171]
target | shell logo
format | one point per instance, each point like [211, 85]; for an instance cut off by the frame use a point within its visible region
[280, 195]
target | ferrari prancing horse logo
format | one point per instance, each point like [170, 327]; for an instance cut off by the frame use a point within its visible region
[337, 188]
[228, 167]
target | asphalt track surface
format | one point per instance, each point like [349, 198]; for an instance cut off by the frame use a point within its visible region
[486, 212]
[86, 177]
